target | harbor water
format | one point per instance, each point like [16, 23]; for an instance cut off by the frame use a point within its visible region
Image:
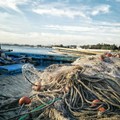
[40, 50]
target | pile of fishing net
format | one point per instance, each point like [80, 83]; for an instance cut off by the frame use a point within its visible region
[86, 89]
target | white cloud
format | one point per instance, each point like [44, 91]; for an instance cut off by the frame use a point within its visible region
[87, 29]
[100, 9]
[46, 38]
[61, 10]
[14, 22]
[12, 4]
[70, 28]
[114, 24]
[85, 32]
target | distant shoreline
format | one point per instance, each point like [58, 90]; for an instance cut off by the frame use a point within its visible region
[85, 47]
[26, 45]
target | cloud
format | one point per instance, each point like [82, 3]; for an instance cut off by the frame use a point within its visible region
[60, 10]
[117, 24]
[92, 35]
[77, 26]
[65, 10]
[14, 22]
[70, 28]
[12, 4]
[100, 10]
[91, 28]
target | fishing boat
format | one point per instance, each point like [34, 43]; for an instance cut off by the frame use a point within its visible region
[12, 61]
[11, 69]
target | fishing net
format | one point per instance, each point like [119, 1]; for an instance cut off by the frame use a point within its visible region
[70, 90]
[30, 72]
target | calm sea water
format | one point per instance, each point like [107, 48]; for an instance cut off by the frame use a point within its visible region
[28, 49]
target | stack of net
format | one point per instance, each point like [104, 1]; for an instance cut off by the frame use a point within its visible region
[78, 85]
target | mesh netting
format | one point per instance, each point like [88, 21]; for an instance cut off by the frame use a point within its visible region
[78, 85]
[30, 72]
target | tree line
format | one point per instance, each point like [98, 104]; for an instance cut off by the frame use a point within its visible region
[102, 46]
[97, 46]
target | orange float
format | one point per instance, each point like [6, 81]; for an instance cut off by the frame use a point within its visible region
[37, 86]
[109, 55]
[101, 109]
[24, 100]
[95, 102]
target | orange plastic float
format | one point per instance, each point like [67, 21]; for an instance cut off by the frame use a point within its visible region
[95, 102]
[37, 86]
[101, 109]
[109, 55]
[24, 100]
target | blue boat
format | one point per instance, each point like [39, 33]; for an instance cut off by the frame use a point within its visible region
[11, 69]
[43, 56]
[36, 59]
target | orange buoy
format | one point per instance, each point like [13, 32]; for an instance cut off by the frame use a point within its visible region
[37, 86]
[109, 55]
[95, 102]
[101, 109]
[24, 100]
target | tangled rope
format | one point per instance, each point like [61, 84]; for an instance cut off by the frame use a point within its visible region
[77, 89]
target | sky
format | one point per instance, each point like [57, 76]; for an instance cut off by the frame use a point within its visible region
[54, 22]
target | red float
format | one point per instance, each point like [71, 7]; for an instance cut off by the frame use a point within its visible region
[24, 100]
